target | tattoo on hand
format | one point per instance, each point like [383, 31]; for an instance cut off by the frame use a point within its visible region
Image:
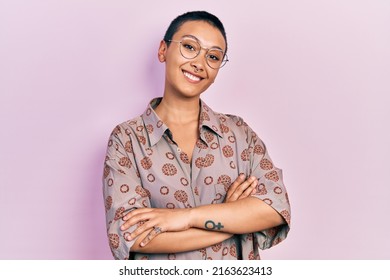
[211, 225]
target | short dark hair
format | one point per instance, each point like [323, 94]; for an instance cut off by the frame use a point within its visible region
[194, 16]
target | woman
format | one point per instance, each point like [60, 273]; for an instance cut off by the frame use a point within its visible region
[182, 181]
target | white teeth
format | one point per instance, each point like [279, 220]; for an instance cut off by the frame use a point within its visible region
[191, 77]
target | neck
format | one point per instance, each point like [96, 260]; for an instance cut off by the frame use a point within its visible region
[178, 111]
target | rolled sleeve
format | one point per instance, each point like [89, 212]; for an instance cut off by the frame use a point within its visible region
[271, 190]
[122, 191]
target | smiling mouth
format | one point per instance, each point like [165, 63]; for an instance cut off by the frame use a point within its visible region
[191, 77]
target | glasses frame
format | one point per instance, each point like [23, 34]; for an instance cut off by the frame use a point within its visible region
[223, 62]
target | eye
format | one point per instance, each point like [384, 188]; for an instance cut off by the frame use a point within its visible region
[214, 57]
[189, 47]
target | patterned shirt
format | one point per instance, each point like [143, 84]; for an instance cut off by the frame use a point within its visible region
[144, 167]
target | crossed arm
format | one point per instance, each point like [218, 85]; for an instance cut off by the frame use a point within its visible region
[195, 228]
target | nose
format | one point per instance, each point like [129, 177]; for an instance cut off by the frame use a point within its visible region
[198, 63]
[196, 68]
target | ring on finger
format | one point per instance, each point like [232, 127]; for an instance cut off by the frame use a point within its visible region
[157, 230]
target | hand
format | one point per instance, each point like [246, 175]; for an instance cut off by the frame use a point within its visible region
[156, 221]
[241, 188]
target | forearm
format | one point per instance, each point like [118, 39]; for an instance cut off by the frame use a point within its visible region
[189, 229]
[242, 216]
[180, 241]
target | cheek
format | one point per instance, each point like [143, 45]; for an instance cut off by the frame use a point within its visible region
[173, 66]
[213, 75]
[171, 69]
[173, 57]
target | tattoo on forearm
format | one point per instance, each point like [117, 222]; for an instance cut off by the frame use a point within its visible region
[211, 225]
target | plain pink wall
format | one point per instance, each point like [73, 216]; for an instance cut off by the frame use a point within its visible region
[311, 77]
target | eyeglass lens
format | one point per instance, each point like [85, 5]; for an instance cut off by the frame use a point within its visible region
[190, 48]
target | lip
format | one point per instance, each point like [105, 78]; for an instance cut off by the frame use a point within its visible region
[192, 74]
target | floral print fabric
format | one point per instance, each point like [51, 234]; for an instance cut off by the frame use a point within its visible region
[145, 168]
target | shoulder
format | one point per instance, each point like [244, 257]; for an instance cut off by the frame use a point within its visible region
[238, 127]
[232, 122]
[128, 127]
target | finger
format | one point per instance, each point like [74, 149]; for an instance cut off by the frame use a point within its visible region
[134, 211]
[246, 184]
[152, 234]
[141, 229]
[136, 218]
[239, 180]
[250, 190]
[240, 190]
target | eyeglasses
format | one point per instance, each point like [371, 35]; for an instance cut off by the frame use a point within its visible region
[190, 48]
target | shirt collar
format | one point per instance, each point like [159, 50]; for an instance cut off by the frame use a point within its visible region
[156, 128]
[209, 119]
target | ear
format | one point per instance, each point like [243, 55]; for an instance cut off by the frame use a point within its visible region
[162, 50]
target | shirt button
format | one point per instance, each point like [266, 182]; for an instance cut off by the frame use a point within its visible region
[178, 150]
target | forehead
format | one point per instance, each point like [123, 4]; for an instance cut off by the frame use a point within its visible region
[207, 34]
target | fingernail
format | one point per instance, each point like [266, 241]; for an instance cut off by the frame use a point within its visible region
[122, 228]
[142, 244]
[253, 178]
[242, 176]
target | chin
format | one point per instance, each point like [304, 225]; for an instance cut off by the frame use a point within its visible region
[192, 94]
[185, 90]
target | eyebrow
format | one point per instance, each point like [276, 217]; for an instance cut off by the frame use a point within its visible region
[192, 36]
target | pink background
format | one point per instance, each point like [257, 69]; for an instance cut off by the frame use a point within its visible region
[311, 77]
